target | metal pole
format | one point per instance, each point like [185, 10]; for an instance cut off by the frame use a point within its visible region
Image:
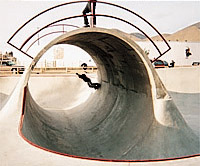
[92, 17]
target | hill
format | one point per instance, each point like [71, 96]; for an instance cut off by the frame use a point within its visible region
[138, 35]
[189, 34]
[133, 36]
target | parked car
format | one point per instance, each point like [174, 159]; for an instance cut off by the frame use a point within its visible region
[11, 66]
[195, 63]
[160, 64]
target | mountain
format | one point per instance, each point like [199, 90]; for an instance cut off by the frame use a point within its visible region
[138, 35]
[133, 36]
[189, 34]
[196, 25]
[158, 38]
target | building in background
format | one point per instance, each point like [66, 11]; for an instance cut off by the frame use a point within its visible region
[8, 56]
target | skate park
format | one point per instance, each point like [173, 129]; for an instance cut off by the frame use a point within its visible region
[137, 117]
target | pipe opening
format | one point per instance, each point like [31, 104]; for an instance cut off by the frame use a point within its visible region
[55, 85]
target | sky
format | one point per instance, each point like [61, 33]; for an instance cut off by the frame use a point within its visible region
[166, 16]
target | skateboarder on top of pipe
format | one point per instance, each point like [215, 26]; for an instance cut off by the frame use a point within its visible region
[88, 80]
[89, 9]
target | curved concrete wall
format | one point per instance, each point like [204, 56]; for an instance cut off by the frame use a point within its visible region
[181, 79]
[131, 117]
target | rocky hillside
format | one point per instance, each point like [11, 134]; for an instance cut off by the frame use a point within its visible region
[189, 34]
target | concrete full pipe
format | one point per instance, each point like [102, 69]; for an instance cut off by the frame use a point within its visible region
[131, 117]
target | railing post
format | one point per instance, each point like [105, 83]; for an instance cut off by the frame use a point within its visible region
[92, 17]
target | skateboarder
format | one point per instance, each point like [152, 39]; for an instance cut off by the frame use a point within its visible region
[84, 66]
[87, 10]
[172, 64]
[88, 80]
[187, 52]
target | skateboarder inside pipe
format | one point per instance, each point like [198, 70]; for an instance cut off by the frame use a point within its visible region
[88, 80]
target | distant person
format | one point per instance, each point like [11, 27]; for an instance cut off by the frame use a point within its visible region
[88, 80]
[172, 64]
[88, 10]
[187, 52]
[84, 66]
[152, 60]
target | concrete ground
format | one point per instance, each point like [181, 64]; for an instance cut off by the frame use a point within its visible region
[189, 105]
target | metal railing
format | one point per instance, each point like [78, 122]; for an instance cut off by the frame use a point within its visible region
[58, 22]
[49, 70]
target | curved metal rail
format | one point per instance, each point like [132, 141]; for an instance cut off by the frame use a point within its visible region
[81, 16]
[74, 2]
[50, 33]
